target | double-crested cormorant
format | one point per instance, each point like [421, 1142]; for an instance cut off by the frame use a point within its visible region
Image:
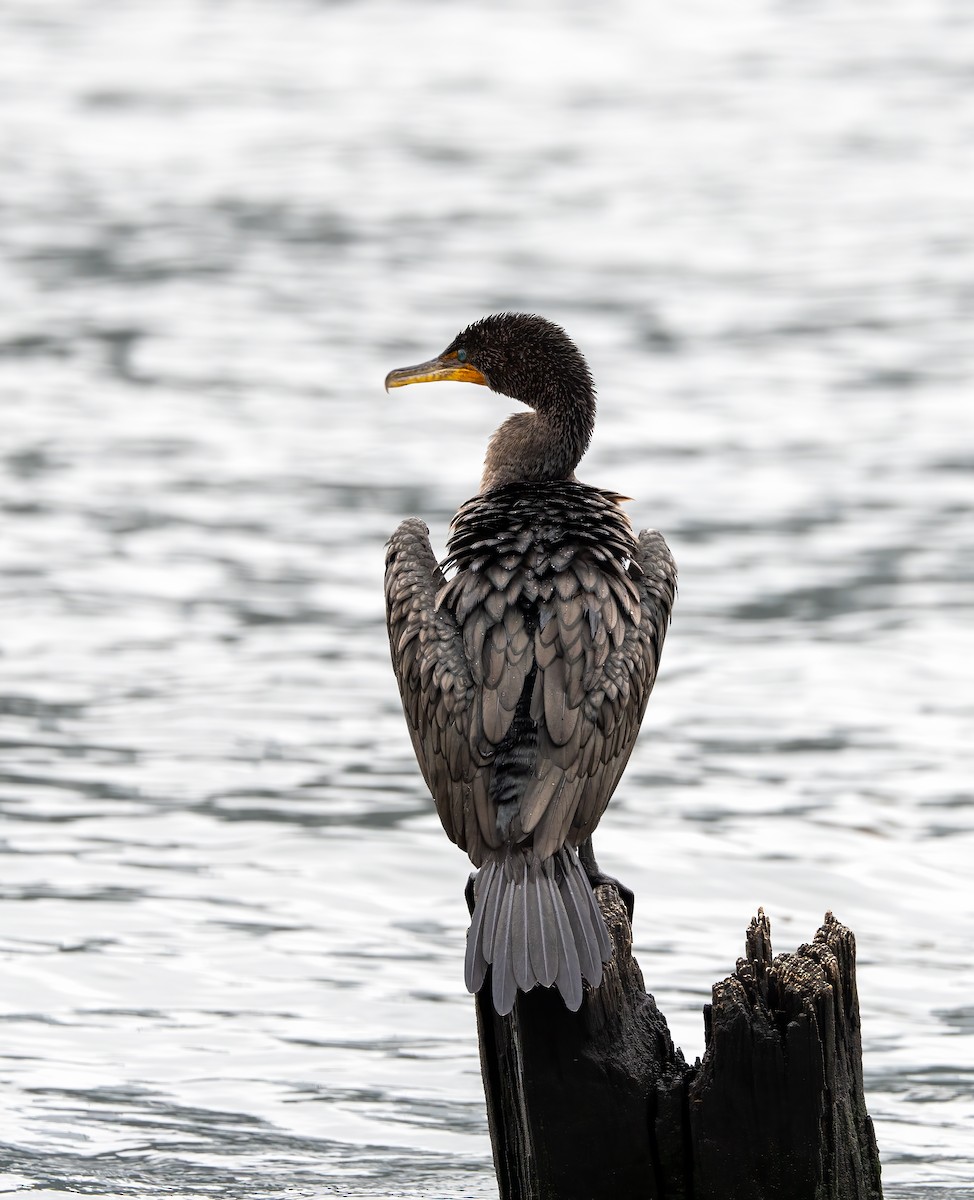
[525, 675]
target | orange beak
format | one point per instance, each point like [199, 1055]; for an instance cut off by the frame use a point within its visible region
[446, 367]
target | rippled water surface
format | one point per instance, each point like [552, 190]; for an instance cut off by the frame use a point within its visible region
[232, 929]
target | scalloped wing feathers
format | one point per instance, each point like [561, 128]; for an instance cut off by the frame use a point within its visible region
[556, 612]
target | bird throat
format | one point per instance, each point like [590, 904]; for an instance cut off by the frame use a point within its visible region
[536, 446]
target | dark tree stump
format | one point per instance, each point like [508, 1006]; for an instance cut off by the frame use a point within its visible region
[777, 1105]
[600, 1104]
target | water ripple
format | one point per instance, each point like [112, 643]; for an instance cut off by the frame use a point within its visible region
[233, 929]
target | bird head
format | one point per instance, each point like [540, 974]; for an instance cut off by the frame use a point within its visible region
[520, 355]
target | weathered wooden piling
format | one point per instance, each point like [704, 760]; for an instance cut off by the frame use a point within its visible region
[600, 1105]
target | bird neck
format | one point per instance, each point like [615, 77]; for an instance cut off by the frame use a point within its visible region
[546, 444]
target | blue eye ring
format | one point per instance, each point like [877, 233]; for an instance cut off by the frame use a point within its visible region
[462, 355]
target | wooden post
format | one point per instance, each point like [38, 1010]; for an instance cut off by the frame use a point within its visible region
[600, 1105]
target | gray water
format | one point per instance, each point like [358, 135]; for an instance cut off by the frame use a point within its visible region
[232, 929]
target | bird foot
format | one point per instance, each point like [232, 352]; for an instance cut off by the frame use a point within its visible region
[626, 895]
[598, 878]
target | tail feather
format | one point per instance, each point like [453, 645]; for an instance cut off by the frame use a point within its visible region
[541, 923]
[520, 944]
[602, 952]
[535, 921]
[569, 978]
[503, 983]
[495, 891]
[475, 966]
[585, 937]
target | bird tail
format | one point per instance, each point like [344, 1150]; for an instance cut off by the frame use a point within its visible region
[535, 921]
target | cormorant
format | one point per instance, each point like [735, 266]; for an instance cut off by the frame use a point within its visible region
[525, 673]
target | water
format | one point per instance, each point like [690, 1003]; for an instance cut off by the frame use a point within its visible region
[231, 928]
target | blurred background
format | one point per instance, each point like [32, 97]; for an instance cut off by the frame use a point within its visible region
[232, 929]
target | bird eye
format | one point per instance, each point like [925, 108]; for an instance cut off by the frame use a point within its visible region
[462, 355]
